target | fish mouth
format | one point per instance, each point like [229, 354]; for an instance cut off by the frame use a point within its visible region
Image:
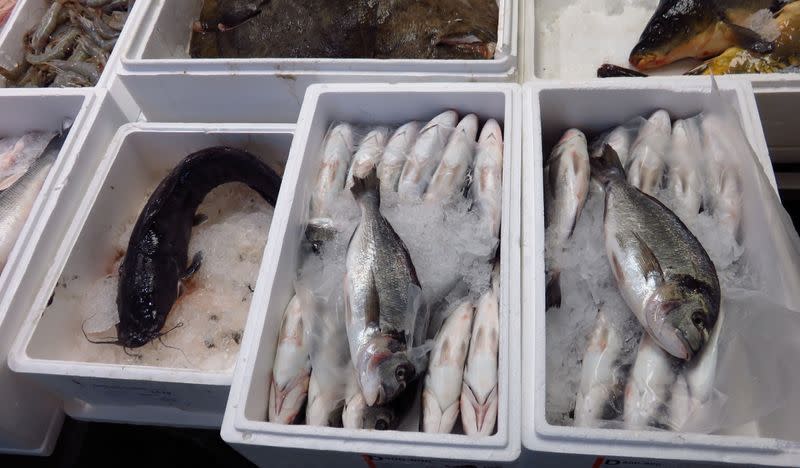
[688, 352]
[646, 60]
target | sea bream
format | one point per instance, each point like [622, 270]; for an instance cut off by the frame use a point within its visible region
[290, 372]
[698, 29]
[646, 164]
[450, 176]
[424, 158]
[487, 185]
[16, 202]
[384, 305]
[440, 396]
[479, 392]
[395, 155]
[368, 154]
[662, 271]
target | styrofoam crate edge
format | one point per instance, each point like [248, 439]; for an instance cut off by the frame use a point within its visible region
[537, 434]
[238, 430]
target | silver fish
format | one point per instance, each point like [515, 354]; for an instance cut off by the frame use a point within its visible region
[358, 415]
[383, 301]
[620, 140]
[440, 396]
[459, 153]
[487, 187]
[368, 155]
[16, 202]
[425, 156]
[663, 272]
[601, 383]
[723, 184]
[479, 393]
[646, 166]
[684, 179]
[290, 372]
[648, 392]
[566, 185]
[395, 154]
[336, 154]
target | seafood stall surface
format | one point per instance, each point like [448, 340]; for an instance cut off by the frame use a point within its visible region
[384, 29]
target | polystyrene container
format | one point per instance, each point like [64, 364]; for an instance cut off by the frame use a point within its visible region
[561, 46]
[30, 418]
[550, 109]
[244, 426]
[26, 16]
[135, 161]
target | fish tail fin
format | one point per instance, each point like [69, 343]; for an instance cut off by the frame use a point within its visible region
[607, 167]
[365, 185]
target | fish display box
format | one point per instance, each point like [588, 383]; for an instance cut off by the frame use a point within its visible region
[550, 109]
[27, 15]
[178, 383]
[559, 46]
[157, 61]
[245, 425]
[31, 421]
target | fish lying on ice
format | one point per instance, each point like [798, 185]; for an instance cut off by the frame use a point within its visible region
[451, 174]
[440, 396]
[368, 155]
[722, 185]
[395, 155]
[487, 186]
[479, 392]
[290, 372]
[426, 154]
[337, 151]
[648, 391]
[383, 302]
[646, 166]
[357, 414]
[684, 178]
[662, 271]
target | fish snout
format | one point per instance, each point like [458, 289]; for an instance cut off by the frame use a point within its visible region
[643, 59]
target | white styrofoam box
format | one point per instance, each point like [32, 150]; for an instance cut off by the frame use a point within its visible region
[133, 164]
[559, 46]
[30, 420]
[550, 109]
[375, 104]
[26, 17]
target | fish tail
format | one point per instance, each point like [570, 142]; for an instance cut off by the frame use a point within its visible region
[369, 184]
[607, 167]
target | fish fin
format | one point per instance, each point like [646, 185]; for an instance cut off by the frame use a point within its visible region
[607, 166]
[372, 303]
[647, 262]
[553, 290]
[9, 181]
[197, 261]
[368, 184]
[199, 219]
[748, 39]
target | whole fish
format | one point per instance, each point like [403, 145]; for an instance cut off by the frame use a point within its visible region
[487, 186]
[697, 29]
[602, 383]
[648, 391]
[663, 272]
[646, 165]
[395, 154]
[337, 151]
[479, 391]
[722, 181]
[157, 256]
[290, 372]
[356, 414]
[450, 176]
[440, 396]
[383, 301]
[620, 140]
[684, 179]
[425, 157]
[17, 200]
[368, 155]
[566, 185]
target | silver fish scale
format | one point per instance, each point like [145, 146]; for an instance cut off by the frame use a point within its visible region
[377, 252]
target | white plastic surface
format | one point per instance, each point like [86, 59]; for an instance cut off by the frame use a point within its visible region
[550, 108]
[569, 50]
[244, 424]
[26, 16]
[132, 164]
[30, 418]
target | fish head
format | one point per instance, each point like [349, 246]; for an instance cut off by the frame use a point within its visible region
[385, 376]
[134, 338]
[379, 418]
[681, 321]
[673, 33]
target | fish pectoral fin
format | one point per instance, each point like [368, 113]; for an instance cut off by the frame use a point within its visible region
[748, 39]
[646, 261]
[197, 261]
[372, 304]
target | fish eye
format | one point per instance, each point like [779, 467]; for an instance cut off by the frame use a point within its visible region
[400, 373]
[381, 425]
[698, 320]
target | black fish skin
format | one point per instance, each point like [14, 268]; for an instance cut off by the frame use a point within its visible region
[157, 254]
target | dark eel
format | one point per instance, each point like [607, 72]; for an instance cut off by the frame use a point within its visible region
[157, 255]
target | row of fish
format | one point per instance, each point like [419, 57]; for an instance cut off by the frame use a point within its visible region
[368, 357]
[71, 44]
[664, 276]
[733, 36]
[385, 29]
